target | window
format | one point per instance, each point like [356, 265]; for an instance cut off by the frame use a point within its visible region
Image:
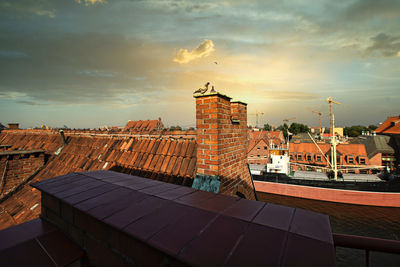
[350, 160]
[362, 160]
[265, 148]
[309, 157]
[258, 155]
[265, 157]
[319, 158]
[299, 157]
[258, 147]
[251, 155]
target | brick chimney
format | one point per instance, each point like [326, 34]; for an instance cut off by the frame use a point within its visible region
[13, 126]
[222, 146]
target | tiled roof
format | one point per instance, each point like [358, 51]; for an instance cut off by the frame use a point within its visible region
[309, 148]
[344, 149]
[352, 149]
[377, 144]
[194, 227]
[274, 134]
[166, 159]
[144, 126]
[390, 126]
[26, 140]
[267, 136]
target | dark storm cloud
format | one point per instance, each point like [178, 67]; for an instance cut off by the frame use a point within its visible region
[27, 8]
[385, 45]
[369, 9]
[78, 67]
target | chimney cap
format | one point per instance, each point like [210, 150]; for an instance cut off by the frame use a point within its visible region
[239, 102]
[214, 94]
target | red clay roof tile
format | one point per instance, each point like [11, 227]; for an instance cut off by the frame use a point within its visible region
[94, 153]
[177, 166]
[146, 165]
[171, 164]
[184, 166]
[191, 148]
[171, 149]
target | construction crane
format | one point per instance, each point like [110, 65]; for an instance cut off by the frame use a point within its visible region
[289, 119]
[256, 114]
[330, 101]
[319, 119]
[333, 137]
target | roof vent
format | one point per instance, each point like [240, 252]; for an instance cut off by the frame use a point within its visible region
[63, 137]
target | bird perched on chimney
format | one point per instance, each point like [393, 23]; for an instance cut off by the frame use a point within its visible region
[202, 90]
[213, 90]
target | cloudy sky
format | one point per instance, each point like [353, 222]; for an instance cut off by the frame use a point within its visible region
[90, 63]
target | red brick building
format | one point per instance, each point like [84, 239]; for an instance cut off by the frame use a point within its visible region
[262, 144]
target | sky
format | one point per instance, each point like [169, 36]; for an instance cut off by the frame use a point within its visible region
[90, 63]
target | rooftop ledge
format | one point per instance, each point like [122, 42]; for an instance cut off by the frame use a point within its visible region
[213, 94]
[21, 152]
[118, 219]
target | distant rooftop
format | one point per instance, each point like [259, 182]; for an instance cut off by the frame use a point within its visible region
[390, 126]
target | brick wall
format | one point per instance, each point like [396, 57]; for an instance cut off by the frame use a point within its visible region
[16, 169]
[259, 154]
[222, 143]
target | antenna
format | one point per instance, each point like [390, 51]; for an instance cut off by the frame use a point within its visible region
[333, 137]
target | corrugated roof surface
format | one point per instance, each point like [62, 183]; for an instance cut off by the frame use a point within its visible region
[165, 159]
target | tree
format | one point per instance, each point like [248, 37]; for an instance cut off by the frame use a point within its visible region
[296, 128]
[175, 128]
[267, 127]
[356, 130]
[284, 129]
